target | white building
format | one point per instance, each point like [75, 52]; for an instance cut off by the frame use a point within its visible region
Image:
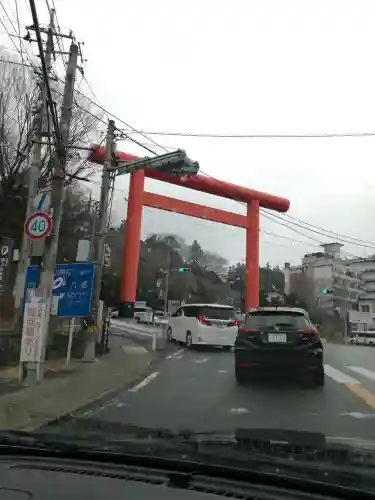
[322, 272]
[366, 268]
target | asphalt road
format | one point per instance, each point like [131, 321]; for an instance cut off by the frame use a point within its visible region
[196, 390]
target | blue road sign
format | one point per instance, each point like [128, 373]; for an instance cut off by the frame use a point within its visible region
[73, 284]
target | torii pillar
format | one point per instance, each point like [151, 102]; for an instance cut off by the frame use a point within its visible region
[139, 198]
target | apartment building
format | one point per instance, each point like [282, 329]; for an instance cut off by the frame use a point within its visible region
[322, 272]
[366, 268]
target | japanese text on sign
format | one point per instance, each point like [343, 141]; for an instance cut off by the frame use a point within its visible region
[33, 332]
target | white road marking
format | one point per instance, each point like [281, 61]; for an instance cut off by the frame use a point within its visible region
[144, 382]
[134, 349]
[338, 376]
[175, 354]
[362, 371]
[359, 415]
[239, 411]
[222, 371]
[200, 360]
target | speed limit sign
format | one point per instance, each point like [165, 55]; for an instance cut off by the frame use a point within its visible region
[38, 225]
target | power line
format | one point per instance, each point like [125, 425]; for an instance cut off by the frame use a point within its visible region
[329, 231]
[273, 216]
[15, 36]
[208, 135]
[333, 235]
[287, 238]
[45, 72]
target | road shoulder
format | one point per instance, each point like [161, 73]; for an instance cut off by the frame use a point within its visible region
[34, 406]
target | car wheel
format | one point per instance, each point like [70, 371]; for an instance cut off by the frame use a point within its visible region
[371, 344]
[189, 340]
[240, 378]
[169, 334]
[318, 379]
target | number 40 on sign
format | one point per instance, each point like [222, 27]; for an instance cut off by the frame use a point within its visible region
[38, 225]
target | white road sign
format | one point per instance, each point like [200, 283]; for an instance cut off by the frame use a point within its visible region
[33, 332]
[38, 225]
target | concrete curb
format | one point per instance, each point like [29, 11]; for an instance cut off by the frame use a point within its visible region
[35, 406]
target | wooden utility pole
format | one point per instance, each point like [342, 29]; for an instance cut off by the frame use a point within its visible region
[107, 175]
[58, 183]
[34, 172]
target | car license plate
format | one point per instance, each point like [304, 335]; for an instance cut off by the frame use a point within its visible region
[277, 337]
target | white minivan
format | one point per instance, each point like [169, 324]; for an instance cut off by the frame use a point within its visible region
[204, 324]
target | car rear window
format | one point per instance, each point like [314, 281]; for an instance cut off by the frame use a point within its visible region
[272, 319]
[217, 312]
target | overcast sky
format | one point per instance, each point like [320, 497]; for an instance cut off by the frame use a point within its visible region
[246, 67]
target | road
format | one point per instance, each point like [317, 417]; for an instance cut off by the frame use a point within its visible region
[196, 390]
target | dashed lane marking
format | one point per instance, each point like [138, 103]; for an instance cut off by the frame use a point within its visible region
[358, 415]
[239, 411]
[200, 360]
[144, 382]
[175, 354]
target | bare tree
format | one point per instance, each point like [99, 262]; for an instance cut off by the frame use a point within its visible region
[19, 93]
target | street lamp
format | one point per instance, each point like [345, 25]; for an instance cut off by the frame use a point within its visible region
[174, 163]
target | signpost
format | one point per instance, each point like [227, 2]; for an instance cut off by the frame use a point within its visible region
[6, 253]
[72, 288]
[33, 334]
[38, 225]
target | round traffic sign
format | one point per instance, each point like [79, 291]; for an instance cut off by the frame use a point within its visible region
[38, 225]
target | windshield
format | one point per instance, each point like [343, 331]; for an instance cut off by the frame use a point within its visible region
[187, 243]
[270, 320]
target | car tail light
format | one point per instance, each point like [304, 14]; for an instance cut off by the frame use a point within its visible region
[308, 331]
[235, 322]
[309, 334]
[202, 320]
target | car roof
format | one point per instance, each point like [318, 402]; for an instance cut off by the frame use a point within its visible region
[221, 306]
[281, 309]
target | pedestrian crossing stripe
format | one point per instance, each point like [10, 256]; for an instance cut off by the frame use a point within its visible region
[352, 384]
[339, 376]
[362, 371]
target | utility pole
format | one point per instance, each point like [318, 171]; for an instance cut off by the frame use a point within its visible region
[107, 176]
[34, 173]
[58, 184]
[166, 283]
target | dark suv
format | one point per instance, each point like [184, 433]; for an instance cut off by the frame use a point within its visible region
[278, 341]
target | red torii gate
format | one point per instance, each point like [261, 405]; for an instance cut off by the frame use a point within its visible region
[138, 198]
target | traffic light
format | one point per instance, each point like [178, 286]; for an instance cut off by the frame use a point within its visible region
[325, 291]
[173, 163]
[183, 270]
